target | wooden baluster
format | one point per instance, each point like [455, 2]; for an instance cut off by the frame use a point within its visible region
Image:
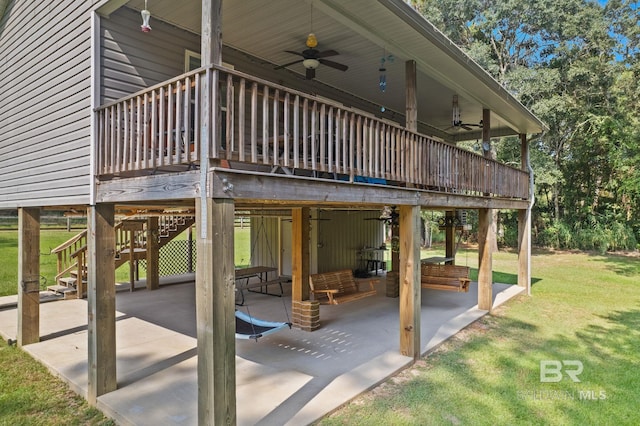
[286, 110]
[265, 125]
[254, 122]
[305, 133]
[323, 140]
[241, 119]
[276, 126]
[296, 132]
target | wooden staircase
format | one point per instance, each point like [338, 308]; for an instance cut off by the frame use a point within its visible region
[131, 237]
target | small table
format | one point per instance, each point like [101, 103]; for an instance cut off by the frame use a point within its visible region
[371, 259]
[437, 259]
[254, 271]
[260, 272]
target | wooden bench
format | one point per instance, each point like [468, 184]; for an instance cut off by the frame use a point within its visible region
[338, 287]
[445, 277]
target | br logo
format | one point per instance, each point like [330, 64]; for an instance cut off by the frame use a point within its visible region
[552, 370]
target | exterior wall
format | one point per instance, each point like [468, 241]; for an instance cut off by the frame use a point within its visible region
[335, 245]
[265, 240]
[45, 107]
[342, 236]
[133, 60]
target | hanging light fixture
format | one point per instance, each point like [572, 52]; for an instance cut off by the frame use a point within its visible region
[382, 82]
[146, 15]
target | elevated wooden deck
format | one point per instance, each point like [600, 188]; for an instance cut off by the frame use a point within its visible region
[268, 128]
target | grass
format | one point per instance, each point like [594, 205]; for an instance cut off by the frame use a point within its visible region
[30, 395]
[584, 308]
[51, 238]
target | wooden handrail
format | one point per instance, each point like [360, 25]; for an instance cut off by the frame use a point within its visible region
[271, 125]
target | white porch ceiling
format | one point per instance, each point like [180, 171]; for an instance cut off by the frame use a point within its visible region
[362, 31]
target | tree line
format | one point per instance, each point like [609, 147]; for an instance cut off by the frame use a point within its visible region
[573, 63]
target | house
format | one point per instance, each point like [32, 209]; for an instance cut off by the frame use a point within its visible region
[304, 107]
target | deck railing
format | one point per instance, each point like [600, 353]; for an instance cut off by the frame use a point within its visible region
[274, 127]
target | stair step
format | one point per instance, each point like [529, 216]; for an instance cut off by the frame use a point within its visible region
[60, 289]
[67, 281]
[71, 294]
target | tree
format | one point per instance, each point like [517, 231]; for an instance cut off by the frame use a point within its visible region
[575, 64]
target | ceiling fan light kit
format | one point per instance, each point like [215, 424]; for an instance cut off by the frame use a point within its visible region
[310, 64]
[312, 58]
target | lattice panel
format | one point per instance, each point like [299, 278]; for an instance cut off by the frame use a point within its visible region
[174, 258]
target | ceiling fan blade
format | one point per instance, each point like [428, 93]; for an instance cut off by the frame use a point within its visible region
[332, 64]
[279, 67]
[311, 73]
[326, 54]
[294, 52]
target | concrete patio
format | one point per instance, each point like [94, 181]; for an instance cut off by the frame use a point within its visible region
[290, 377]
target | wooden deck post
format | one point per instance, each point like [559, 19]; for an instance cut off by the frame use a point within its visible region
[300, 254]
[101, 299]
[524, 227]
[449, 236]
[485, 259]
[411, 97]
[215, 318]
[305, 313]
[410, 290]
[153, 253]
[28, 276]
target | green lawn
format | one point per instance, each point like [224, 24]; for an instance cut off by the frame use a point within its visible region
[585, 308]
[50, 239]
[30, 395]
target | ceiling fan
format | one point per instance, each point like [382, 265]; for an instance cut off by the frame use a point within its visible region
[312, 58]
[456, 121]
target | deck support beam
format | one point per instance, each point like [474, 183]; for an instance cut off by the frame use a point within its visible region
[101, 299]
[153, 254]
[485, 259]
[524, 226]
[215, 317]
[410, 290]
[28, 276]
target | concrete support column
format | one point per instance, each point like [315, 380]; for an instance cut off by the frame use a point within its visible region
[485, 259]
[101, 298]
[215, 315]
[410, 290]
[28, 276]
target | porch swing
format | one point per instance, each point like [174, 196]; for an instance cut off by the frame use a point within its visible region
[249, 327]
[446, 277]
